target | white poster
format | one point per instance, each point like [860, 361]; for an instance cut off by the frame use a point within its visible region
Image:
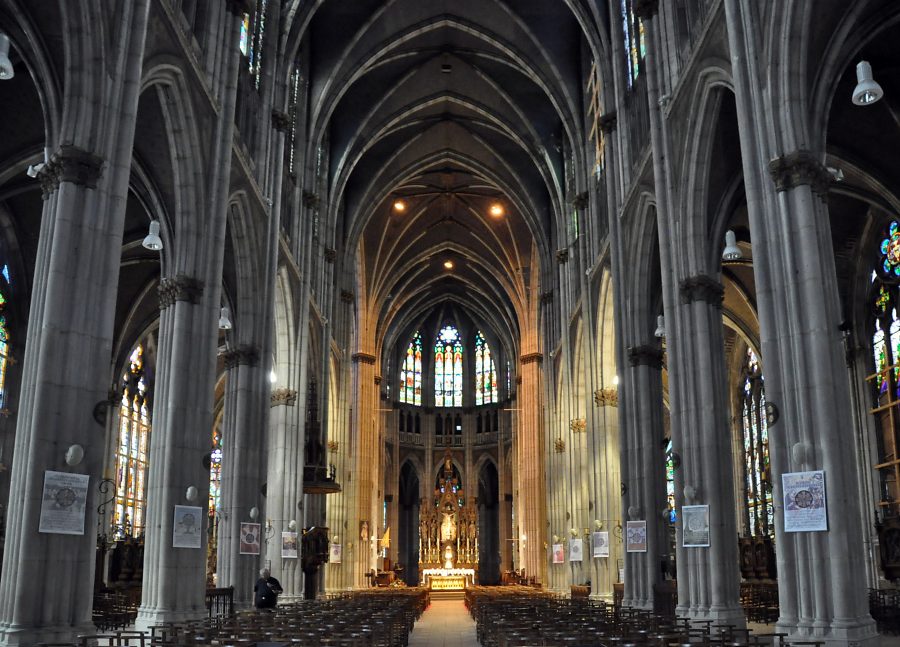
[559, 555]
[334, 554]
[600, 544]
[635, 536]
[804, 501]
[63, 503]
[249, 538]
[576, 550]
[695, 526]
[289, 544]
[186, 533]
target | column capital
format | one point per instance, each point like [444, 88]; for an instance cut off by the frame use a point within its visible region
[702, 287]
[347, 296]
[281, 121]
[71, 164]
[310, 200]
[363, 358]
[645, 355]
[238, 7]
[330, 254]
[377, 379]
[608, 397]
[531, 357]
[179, 288]
[547, 297]
[607, 122]
[799, 168]
[581, 201]
[562, 256]
[283, 397]
[246, 354]
[646, 9]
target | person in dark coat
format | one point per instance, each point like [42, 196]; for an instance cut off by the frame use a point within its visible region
[266, 590]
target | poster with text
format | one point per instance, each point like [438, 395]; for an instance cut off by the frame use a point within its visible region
[558, 554]
[289, 545]
[636, 536]
[63, 503]
[249, 538]
[186, 532]
[576, 550]
[805, 508]
[695, 526]
[600, 544]
[334, 554]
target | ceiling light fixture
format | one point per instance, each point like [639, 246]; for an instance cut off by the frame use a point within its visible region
[496, 210]
[399, 206]
[867, 90]
[6, 67]
[731, 252]
[152, 241]
[446, 68]
[448, 265]
[225, 318]
[660, 327]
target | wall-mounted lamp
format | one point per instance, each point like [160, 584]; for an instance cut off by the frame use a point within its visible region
[731, 252]
[254, 513]
[292, 524]
[74, 455]
[615, 380]
[152, 241]
[35, 169]
[336, 539]
[6, 67]
[225, 318]
[598, 524]
[867, 90]
[660, 327]
[555, 539]
[573, 532]
[191, 493]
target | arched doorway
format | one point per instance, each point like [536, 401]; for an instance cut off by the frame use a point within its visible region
[489, 525]
[409, 524]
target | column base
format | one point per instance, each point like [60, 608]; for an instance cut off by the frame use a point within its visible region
[863, 633]
[147, 618]
[32, 635]
[719, 615]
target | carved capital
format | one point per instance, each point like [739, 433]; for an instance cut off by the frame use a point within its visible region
[333, 446]
[531, 357]
[330, 255]
[702, 288]
[281, 121]
[562, 256]
[547, 297]
[645, 356]
[245, 354]
[283, 397]
[363, 358]
[799, 168]
[559, 445]
[607, 123]
[310, 200]
[71, 164]
[578, 425]
[581, 201]
[646, 9]
[238, 7]
[377, 379]
[346, 296]
[518, 379]
[179, 288]
[606, 397]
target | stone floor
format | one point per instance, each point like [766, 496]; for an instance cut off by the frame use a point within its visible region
[445, 623]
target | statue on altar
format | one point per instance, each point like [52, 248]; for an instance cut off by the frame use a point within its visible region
[448, 526]
[448, 556]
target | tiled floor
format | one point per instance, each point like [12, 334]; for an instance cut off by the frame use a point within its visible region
[445, 623]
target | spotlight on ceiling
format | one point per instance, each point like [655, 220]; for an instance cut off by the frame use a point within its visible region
[660, 327]
[6, 67]
[399, 206]
[496, 210]
[153, 241]
[448, 265]
[35, 169]
[867, 90]
[731, 252]
[446, 68]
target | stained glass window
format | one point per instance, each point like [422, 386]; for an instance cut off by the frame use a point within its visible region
[132, 449]
[670, 482]
[485, 372]
[411, 372]
[448, 368]
[633, 37]
[759, 510]
[4, 338]
[245, 35]
[252, 36]
[595, 112]
[215, 475]
[890, 252]
[879, 350]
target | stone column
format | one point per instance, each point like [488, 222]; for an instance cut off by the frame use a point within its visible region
[246, 392]
[530, 461]
[47, 584]
[368, 455]
[606, 496]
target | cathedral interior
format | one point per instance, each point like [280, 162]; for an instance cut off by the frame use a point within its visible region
[584, 299]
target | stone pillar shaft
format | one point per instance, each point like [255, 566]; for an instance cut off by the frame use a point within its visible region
[532, 485]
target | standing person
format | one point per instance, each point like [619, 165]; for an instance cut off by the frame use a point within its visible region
[266, 589]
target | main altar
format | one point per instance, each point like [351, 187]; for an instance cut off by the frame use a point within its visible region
[448, 534]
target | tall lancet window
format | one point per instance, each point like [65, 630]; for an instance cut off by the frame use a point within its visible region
[4, 337]
[251, 41]
[411, 372]
[757, 473]
[635, 45]
[448, 361]
[485, 372]
[132, 449]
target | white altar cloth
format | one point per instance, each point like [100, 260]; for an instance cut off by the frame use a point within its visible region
[468, 573]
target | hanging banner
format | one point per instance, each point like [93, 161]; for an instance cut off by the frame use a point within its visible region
[576, 550]
[635, 536]
[600, 544]
[186, 529]
[63, 503]
[559, 555]
[249, 538]
[334, 554]
[805, 506]
[695, 526]
[289, 545]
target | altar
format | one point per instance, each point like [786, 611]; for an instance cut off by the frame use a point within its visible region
[448, 579]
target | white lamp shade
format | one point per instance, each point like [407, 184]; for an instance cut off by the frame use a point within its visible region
[731, 252]
[867, 91]
[660, 326]
[225, 318]
[152, 240]
[6, 68]
[254, 513]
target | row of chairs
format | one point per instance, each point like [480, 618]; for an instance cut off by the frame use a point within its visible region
[884, 605]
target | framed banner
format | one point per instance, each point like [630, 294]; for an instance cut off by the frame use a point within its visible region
[289, 545]
[187, 529]
[63, 503]
[249, 538]
[558, 554]
[600, 544]
[334, 553]
[805, 503]
[576, 550]
[635, 536]
[695, 526]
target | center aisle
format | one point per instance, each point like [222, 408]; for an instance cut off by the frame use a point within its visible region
[445, 623]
